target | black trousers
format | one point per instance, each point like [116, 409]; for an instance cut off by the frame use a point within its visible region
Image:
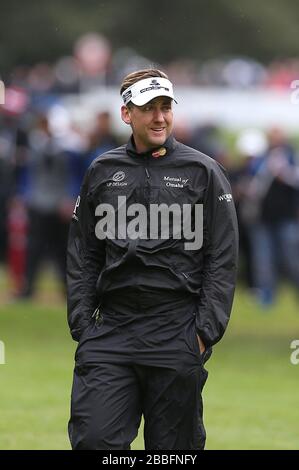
[47, 237]
[129, 365]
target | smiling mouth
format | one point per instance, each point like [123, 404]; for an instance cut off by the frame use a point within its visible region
[160, 129]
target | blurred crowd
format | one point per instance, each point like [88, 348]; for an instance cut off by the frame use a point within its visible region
[264, 176]
[93, 63]
[43, 160]
[40, 178]
[41, 173]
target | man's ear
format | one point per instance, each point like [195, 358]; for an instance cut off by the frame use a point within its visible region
[125, 114]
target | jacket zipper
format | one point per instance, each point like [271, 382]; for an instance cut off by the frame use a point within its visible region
[97, 316]
[147, 184]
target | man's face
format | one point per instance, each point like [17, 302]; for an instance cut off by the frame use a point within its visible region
[151, 123]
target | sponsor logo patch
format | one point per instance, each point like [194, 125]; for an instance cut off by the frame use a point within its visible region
[226, 197]
[118, 179]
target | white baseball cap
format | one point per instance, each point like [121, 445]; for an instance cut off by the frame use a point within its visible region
[147, 89]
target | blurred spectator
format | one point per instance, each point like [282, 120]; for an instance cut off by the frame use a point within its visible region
[207, 139]
[250, 145]
[45, 194]
[282, 73]
[67, 75]
[93, 53]
[274, 235]
[243, 73]
[7, 150]
[101, 139]
[41, 78]
[13, 147]
[182, 132]
[184, 71]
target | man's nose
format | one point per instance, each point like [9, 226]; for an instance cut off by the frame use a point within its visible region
[158, 115]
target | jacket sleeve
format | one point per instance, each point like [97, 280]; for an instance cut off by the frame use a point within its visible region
[220, 249]
[85, 260]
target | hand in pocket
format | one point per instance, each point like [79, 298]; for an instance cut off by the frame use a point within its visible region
[202, 347]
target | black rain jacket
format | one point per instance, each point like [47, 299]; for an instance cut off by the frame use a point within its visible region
[154, 270]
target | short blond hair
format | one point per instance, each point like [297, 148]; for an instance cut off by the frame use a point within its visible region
[134, 77]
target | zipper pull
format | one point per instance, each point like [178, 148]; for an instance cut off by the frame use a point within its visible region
[147, 173]
[95, 312]
[97, 316]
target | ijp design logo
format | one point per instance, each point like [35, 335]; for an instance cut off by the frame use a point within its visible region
[118, 179]
[119, 176]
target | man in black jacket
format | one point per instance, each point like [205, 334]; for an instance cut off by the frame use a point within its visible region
[152, 260]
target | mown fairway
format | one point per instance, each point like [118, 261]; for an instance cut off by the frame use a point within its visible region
[251, 397]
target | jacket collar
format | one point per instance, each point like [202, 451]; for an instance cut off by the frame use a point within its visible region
[156, 153]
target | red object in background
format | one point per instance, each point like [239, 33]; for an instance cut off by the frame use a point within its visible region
[17, 245]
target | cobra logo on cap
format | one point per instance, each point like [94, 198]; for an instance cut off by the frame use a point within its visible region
[147, 89]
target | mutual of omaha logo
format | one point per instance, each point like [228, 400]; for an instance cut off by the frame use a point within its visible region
[175, 181]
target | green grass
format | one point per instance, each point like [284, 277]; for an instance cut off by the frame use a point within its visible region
[251, 397]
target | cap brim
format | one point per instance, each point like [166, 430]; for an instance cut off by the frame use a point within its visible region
[140, 100]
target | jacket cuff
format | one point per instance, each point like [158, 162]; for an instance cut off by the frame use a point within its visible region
[78, 332]
[205, 336]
